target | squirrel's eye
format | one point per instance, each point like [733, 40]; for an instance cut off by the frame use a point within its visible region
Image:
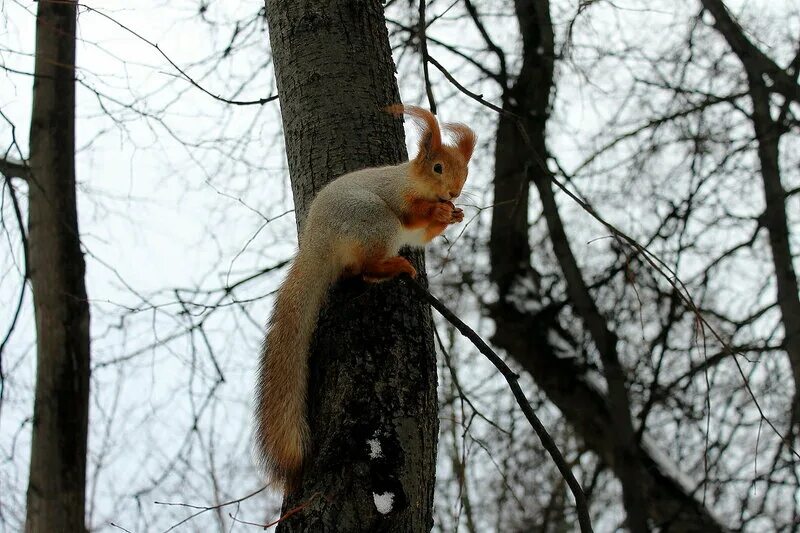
[437, 168]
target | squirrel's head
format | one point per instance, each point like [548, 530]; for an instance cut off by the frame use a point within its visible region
[439, 170]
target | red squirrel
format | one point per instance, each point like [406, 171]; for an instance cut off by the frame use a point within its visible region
[356, 225]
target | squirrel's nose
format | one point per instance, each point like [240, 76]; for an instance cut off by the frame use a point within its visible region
[454, 194]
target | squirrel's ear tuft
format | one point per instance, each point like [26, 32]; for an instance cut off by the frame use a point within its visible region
[464, 138]
[430, 140]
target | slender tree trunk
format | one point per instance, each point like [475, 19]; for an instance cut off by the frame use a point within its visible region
[516, 165]
[774, 219]
[768, 133]
[58, 453]
[372, 399]
[626, 449]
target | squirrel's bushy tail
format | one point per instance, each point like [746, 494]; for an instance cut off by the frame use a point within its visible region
[281, 427]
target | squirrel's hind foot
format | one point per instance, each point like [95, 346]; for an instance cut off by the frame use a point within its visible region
[384, 269]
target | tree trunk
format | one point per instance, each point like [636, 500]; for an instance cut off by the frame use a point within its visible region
[768, 134]
[602, 421]
[57, 479]
[372, 391]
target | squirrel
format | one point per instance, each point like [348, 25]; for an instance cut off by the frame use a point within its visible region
[356, 226]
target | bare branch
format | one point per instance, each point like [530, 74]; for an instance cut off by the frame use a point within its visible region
[423, 46]
[188, 78]
[751, 56]
[12, 168]
[513, 382]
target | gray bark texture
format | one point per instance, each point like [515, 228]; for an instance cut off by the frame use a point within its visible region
[56, 488]
[373, 362]
[603, 421]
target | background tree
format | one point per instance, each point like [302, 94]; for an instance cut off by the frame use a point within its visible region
[662, 344]
[763, 74]
[57, 481]
[647, 490]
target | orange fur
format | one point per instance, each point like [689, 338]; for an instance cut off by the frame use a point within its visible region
[282, 431]
[281, 426]
[465, 138]
[428, 203]
[333, 245]
[383, 269]
[418, 213]
[433, 216]
[452, 214]
[451, 160]
[433, 231]
[430, 136]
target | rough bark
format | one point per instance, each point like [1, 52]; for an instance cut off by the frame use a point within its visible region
[56, 489]
[602, 420]
[373, 366]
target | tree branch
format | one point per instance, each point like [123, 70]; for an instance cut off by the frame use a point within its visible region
[512, 379]
[750, 55]
[12, 168]
[188, 78]
[423, 47]
[648, 257]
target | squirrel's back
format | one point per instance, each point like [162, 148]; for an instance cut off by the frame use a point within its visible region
[348, 218]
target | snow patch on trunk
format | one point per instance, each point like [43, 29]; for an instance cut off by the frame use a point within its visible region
[383, 502]
[375, 451]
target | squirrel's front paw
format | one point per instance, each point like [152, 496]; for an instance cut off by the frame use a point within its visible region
[457, 215]
[443, 212]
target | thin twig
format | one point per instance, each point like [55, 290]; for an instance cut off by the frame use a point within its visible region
[423, 47]
[202, 509]
[283, 517]
[188, 78]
